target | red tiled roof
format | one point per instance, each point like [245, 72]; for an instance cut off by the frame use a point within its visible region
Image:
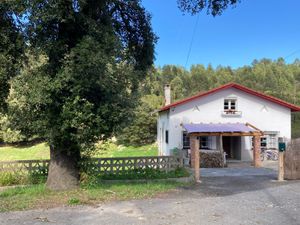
[294, 108]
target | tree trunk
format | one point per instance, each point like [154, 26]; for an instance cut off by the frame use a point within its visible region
[63, 169]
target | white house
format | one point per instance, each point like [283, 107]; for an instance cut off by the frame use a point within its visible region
[225, 118]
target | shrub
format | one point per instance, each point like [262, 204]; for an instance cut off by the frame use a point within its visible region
[73, 201]
[37, 177]
[11, 178]
[19, 178]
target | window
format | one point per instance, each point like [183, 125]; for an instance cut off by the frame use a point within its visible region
[263, 142]
[267, 142]
[205, 142]
[167, 136]
[185, 141]
[272, 141]
[230, 104]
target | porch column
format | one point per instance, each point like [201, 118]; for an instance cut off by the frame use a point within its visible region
[221, 144]
[221, 149]
[256, 151]
[195, 157]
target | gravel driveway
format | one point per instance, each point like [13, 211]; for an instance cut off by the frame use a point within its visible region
[224, 197]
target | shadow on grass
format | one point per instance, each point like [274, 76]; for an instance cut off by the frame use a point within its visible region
[22, 144]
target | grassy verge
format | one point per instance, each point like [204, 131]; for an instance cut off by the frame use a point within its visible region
[37, 196]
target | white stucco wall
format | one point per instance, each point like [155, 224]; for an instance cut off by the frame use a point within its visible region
[265, 115]
[162, 126]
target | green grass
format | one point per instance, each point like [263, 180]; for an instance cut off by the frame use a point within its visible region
[113, 150]
[37, 196]
[39, 151]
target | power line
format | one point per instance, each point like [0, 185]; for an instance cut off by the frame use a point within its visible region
[192, 40]
[293, 53]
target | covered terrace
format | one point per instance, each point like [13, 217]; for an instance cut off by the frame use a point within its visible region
[219, 130]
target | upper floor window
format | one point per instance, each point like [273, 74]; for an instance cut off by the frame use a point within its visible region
[230, 104]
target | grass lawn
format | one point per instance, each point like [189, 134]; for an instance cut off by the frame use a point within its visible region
[41, 151]
[37, 196]
[113, 150]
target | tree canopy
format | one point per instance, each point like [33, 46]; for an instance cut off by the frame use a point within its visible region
[213, 7]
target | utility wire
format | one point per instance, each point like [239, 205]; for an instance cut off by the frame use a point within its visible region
[293, 53]
[192, 41]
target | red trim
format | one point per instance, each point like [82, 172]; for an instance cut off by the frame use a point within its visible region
[278, 101]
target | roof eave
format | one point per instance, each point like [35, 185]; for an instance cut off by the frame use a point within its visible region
[294, 108]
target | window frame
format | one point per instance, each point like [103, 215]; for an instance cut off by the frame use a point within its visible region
[186, 139]
[229, 105]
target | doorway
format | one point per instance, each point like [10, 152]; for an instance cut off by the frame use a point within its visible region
[232, 147]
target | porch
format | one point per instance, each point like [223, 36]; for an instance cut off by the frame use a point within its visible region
[225, 135]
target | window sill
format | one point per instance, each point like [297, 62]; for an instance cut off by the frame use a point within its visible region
[231, 113]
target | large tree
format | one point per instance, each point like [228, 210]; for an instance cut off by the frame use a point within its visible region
[94, 53]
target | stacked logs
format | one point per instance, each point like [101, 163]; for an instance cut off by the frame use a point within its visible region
[211, 159]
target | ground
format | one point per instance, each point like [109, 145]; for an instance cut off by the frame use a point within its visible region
[225, 196]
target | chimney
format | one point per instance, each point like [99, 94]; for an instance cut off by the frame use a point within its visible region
[167, 90]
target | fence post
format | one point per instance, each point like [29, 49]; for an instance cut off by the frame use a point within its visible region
[180, 159]
[280, 166]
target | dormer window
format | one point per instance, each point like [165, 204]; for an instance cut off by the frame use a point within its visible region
[229, 105]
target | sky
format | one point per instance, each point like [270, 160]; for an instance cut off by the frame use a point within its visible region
[254, 29]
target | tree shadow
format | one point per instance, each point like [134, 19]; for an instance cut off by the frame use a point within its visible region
[22, 144]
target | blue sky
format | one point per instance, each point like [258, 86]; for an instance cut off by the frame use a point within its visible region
[255, 29]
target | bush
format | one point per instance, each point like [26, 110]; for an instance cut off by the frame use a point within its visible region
[37, 177]
[73, 201]
[18, 178]
[11, 178]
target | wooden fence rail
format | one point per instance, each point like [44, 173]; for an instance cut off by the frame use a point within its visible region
[97, 165]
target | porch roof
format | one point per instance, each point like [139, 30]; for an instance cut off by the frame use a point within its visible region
[232, 129]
